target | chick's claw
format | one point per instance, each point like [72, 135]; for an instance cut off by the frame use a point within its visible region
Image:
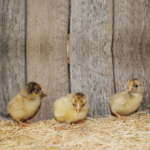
[59, 128]
[121, 117]
[22, 124]
[30, 120]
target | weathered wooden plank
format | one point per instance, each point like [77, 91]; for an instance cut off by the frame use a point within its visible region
[12, 50]
[90, 52]
[47, 23]
[132, 43]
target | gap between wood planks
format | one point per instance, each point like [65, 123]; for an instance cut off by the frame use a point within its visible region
[68, 39]
[112, 44]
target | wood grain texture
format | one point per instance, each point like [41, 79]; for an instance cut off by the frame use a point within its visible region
[132, 44]
[47, 24]
[12, 50]
[90, 52]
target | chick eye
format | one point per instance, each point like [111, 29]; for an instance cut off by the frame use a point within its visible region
[37, 90]
[136, 86]
[73, 104]
[83, 105]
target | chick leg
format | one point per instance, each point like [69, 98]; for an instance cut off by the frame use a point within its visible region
[120, 117]
[30, 120]
[21, 123]
[59, 127]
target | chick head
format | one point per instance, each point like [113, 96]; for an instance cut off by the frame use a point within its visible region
[34, 88]
[135, 86]
[79, 101]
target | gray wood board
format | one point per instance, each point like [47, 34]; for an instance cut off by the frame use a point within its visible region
[90, 52]
[12, 50]
[131, 46]
[47, 24]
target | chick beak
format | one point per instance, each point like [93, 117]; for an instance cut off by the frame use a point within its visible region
[43, 90]
[130, 88]
[78, 109]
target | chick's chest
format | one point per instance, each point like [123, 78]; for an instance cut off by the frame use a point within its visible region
[32, 105]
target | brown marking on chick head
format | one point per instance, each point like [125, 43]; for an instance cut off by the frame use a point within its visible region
[34, 88]
[79, 101]
[133, 84]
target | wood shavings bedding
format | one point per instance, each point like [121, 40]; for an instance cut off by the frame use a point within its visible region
[98, 133]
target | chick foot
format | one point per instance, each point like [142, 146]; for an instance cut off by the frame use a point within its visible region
[22, 124]
[81, 122]
[30, 120]
[121, 117]
[59, 127]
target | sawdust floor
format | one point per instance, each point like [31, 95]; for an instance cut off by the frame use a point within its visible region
[107, 133]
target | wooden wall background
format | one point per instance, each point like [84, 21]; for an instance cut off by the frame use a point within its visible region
[131, 44]
[47, 24]
[109, 44]
[90, 52]
[12, 50]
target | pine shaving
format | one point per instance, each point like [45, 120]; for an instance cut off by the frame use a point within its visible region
[97, 133]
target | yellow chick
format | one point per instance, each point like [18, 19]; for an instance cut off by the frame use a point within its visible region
[128, 101]
[71, 108]
[25, 105]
